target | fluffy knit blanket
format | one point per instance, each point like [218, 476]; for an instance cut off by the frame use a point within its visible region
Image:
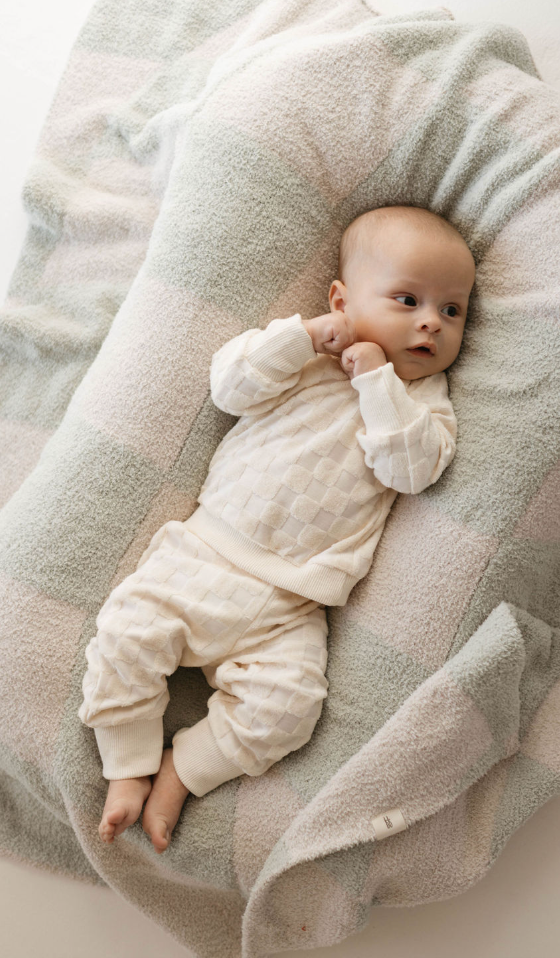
[192, 179]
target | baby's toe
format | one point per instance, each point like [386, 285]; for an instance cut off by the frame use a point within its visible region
[159, 832]
[106, 831]
[116, 820]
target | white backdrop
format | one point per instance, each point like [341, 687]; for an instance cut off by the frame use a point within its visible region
[513, 912]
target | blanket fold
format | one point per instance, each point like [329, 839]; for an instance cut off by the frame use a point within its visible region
[192, 180]
[460, 723]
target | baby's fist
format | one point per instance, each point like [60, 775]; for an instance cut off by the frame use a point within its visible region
[362, 358]
[331, 333]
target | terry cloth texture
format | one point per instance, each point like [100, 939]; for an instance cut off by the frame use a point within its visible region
[192, 180]
[263, 648]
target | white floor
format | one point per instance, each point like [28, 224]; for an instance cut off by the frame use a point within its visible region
[513, 912]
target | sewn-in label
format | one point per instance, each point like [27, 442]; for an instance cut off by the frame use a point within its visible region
[389, 823]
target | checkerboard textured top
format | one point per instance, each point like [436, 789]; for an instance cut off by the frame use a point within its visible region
[298, 490]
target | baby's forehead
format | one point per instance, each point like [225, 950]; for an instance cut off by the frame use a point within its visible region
[450, 266]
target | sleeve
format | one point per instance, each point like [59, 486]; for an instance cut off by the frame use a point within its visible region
[407, 442]
[250, 371]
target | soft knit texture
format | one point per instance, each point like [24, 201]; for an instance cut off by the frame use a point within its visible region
[299, 490]
[297, 493]
[197, 169]
[261, 647]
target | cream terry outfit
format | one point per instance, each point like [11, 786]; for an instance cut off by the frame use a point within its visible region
[288, 519]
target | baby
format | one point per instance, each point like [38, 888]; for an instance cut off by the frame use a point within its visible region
[338, 414]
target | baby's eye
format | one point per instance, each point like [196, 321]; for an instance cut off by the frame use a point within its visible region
[413, 303]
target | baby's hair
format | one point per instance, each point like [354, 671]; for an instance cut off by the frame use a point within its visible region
[362, 233]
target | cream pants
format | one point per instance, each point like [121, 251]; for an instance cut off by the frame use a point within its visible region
[261, 647]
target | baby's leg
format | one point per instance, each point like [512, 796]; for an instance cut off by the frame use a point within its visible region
[270, 694]
[142, 630]
[123, 805]
[269, 691]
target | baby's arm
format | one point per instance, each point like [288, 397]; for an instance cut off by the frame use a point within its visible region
[250, 371]
[407, 442]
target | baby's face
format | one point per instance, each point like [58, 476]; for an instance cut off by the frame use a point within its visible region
[412, 290]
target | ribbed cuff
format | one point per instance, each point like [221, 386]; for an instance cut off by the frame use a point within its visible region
[198, 761]
[131, 749]
[385, 404]
[284, 348]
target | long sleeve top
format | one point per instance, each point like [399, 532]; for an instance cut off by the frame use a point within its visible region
[298, 490]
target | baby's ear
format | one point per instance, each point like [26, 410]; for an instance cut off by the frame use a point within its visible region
[337, 296]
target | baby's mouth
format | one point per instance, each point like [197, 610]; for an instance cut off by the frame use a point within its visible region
[420, 351]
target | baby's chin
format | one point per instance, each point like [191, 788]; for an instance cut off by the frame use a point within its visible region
[415, 370]
[405, 372]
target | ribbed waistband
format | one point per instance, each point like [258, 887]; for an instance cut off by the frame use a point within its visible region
[324, 584]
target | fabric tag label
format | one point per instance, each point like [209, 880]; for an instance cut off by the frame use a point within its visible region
[389, 823]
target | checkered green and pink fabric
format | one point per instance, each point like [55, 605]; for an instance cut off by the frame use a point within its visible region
[196, 170]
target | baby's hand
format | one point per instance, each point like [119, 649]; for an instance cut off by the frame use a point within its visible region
[362, 358]
[331, 333]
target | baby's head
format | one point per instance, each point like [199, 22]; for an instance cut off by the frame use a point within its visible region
[404, 277]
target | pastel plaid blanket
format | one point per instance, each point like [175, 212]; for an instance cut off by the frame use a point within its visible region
[192, 179]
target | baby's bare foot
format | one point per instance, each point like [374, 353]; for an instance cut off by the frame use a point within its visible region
[164, 804]
[123, 805]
